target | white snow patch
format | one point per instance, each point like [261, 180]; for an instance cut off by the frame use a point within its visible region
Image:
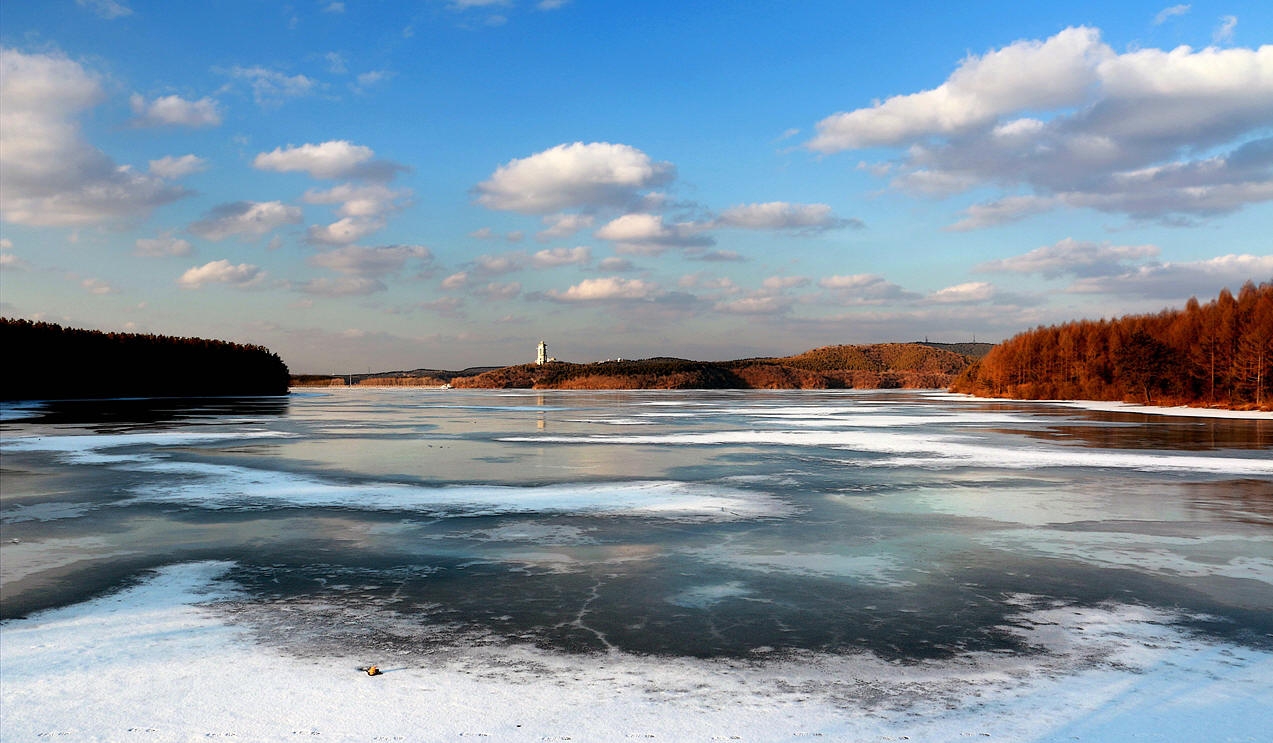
[223, 486]
[158, 662]
[938, 451]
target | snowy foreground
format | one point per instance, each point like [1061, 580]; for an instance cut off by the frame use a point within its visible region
[160, 662]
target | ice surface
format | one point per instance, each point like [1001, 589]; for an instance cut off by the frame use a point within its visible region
[90, 448]
[223, 486]
[937, 451]
[162, 662]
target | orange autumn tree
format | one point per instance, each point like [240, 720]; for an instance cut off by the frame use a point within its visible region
[1216, 354]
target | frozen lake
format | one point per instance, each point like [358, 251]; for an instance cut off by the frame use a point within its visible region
[860, 565]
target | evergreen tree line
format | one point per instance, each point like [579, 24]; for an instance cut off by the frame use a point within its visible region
[44, 361]
[1217, 354]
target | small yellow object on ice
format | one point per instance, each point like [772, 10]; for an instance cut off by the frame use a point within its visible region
[373, 671]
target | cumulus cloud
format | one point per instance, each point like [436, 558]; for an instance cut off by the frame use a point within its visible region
[1179, 281]
[177, 167]
[493, 265]
[1149, 133]
[343, 231]
[271, 87]
[572, 176]
[360, 200]
[563, 225]
[608, 289]
[576, 256]
[337, 158]
[972, 292]
[648, 234]
[221, 272]
[52, 175]
[173, 110]
[249, 219]
[1072, 257]
[163, 246]
[780, 215]
[1023, 75]
[456, 280]
[354, 260]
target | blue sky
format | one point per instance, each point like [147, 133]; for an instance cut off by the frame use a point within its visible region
[393, 185]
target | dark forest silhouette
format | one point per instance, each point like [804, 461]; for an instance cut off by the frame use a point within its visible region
[44, 361]
[1217, 354]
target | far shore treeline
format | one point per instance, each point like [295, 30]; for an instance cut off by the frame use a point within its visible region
[44, 361]
[877, 366]
[1215, 354]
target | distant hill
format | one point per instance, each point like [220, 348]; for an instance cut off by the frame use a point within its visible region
[885, 365]
[1217, 354]
[45, 361]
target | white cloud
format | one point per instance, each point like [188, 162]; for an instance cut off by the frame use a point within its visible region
[177, 167]
[780, 215]
[334, 7]
[337, 158]
[563, 225]
[246, 218]
[355, 260]
[52, 176]
[270, 87]
[361, 200]
[647, 234]
[1179, 281]
[1024, 75]
[1224, 32]
[572, 176]
[173, 110]
[108, 9]
[1072, 257]
[969, 293]
[1165, 13]
[551, 4]
[607, 290]
[343, 231]
[1120, 133]
[221, 272]
[554, 257]
[493, 265]
[162, 246]
[455, 280]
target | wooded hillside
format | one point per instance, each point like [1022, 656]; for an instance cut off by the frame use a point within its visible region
[1219, 353]
[44, 361]
[886, 365]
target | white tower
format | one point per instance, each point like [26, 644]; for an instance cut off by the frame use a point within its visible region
[543, 354]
